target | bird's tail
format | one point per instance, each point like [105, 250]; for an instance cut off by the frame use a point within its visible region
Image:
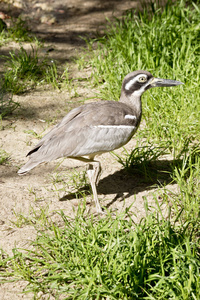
[28, 166]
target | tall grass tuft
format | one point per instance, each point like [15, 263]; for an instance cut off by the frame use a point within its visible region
[110, 258]
[7, 105]
[17, 31]
[26, 69]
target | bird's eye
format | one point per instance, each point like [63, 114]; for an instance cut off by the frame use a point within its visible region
[142, 79]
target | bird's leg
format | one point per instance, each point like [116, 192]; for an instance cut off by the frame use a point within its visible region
[93, 172]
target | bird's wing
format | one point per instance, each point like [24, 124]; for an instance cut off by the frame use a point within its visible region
[57, 129]
[89, 129]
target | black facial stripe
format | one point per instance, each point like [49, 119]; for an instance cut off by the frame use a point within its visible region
[136, 85]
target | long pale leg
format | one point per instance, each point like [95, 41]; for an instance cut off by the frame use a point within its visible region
[93, 172]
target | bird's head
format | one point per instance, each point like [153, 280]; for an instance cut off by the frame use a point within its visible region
[137, 82]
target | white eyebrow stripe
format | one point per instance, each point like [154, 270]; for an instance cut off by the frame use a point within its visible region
[130, 117]
[133, 80]
[115, 126]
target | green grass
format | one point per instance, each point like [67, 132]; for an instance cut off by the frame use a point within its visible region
[187, 176]
[73, 184]
[38, 218]
[7, 105]
[18, 32]
[25, 70]
[166, 43]
[4, 156]
[144, 161]
[110, 258]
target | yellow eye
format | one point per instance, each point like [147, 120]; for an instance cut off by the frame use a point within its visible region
[142, 79]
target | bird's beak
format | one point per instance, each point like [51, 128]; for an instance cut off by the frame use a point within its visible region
[159, 82]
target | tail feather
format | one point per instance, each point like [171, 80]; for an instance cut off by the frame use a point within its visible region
[28, 166]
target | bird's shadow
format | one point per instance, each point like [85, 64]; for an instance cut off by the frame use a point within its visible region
[131, 181]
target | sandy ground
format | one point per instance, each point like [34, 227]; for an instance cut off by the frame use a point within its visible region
[60, 24]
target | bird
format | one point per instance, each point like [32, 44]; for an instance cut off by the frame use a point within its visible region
[95, 128]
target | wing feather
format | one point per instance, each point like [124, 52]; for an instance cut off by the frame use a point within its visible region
[79, 133]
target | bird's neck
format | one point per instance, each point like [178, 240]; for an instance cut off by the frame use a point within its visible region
[134, 102]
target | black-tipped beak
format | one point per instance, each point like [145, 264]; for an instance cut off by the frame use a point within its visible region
[159, 82]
